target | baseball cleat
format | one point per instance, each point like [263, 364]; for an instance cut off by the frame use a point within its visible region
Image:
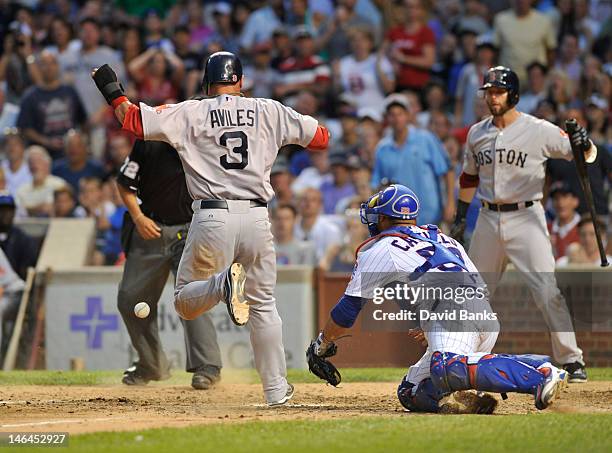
[134, 375]
[285, 398]
[576, 372]
[205, 379]
[237, 306]
[555, 381]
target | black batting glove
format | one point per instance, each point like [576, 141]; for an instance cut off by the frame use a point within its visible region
[458, 229]
[108, 84]
[580, 139]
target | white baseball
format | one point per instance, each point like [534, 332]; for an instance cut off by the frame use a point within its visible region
[142, 309]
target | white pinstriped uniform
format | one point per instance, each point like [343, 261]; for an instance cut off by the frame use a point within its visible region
[381, 262]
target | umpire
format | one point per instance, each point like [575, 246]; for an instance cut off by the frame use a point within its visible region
[153, 237]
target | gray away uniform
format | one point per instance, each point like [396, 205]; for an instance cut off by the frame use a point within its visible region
[227, 145]
[510, 163]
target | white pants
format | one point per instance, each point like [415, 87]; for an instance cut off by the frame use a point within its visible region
[521, 237]
[216, 239]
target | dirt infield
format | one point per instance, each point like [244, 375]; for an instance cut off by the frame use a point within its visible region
[79, 409]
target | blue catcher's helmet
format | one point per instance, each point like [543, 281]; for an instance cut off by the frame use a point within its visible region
[395, 201]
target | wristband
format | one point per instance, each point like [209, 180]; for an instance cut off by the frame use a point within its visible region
[118, 101]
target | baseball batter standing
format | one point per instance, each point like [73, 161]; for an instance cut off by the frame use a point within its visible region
[505, 161]
[153, 173]
[227, 144]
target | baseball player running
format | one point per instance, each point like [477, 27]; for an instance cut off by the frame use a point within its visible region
[227, 144]
[455, 360]
[154, 175]
[505, 160]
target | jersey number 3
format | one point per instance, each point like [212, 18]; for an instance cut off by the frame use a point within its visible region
[243, 150]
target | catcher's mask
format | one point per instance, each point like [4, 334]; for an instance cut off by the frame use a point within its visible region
[396, 201]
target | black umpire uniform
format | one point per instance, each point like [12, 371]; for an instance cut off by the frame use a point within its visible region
[153, 172]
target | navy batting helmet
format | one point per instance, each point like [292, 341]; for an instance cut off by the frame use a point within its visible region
[222, 67]
[395, 201]
[503, 77]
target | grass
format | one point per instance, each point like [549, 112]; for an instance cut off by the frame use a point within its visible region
[536, 432]
[229, 376]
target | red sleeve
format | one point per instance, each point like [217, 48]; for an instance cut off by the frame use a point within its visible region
[320, 141]
[133, 122]
[427, 36]
[466, 180]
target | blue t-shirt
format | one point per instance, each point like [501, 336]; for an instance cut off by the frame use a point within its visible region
[62, 169]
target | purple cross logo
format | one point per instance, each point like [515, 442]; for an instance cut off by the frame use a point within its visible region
[94, 322]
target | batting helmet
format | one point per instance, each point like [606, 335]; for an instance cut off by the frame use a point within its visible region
[396, 201]
[222, 67]
[503, 77]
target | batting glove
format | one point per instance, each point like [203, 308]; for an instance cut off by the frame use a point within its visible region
[580, 139]
[458, 229]
[108, 84]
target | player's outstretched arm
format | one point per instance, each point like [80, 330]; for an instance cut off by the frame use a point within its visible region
[127, 113]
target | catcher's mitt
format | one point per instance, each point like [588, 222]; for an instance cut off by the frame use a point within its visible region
[322, 368]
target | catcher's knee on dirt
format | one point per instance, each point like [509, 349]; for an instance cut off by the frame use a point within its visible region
[421, 397]
[499, 373]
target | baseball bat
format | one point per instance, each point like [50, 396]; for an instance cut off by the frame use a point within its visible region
[570, 126]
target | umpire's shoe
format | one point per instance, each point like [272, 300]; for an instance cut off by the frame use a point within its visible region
[136, 376]
[555, 381]
[237, 306]
[576, 371]
[205, 378]
[284, 399]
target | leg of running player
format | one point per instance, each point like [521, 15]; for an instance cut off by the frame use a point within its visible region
[256, 253]
[537, 266]
[208, 252]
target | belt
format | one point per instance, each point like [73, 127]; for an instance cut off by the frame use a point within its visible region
[222, 204]
[507, 207]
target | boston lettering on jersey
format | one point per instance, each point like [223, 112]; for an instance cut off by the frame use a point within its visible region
[508, 156]
[238, 117]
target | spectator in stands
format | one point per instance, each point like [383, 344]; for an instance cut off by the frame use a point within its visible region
[64, 202]
[62, 41]
[314, 227]
[158, 76]
[334, 37]
[591, 76]
[281, 46]
[561, 90]
[303, 71]
[77, 65]
[223, 38]
[260, 25]
[414, 157]
[93, 205]
[564, 228]
[440, 125]
[341, 258]
[474, 17]
[193, 63]
[523, 35]
[280, 179]
[50, 110]
[289, 250]
[364, 77]
[77, 164]
[470, 79]
[568, 60]
[314, 176]
[131, 45]
[435, 101]
[199, 31]
[340, 186]
[154, 32]
[120, 148]
[360, 178]
[36, 197]
[8, 113]
[20, 249]
[15, 167]
[536, 87]
[17, 62]
[260, 73]
[369, 134]
[412, 46]
[598, 118]
[586, 251]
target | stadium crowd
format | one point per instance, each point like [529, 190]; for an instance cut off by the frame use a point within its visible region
[396, 82]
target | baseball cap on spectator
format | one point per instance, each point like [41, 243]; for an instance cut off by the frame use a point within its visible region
[561, 187]
[338, 156]
[485, 41]
[354, 162]
[281, 165]
[302, 32]
[597, 101]
[6, 199]
[222, 8]
[396, 99]
[281, 30]
[365, 113]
